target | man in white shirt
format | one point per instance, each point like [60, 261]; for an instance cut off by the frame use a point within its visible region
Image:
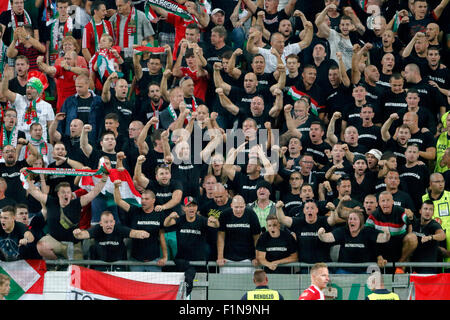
[30, 107]
[278, 52]
[339, 41]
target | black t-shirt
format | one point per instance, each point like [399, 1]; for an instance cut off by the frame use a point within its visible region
[96, 154]
[110, 247]
[239, 232]
[357, 249]
[15, 86]
[153, 159]
[191, 238]
[164, 194]
[144, 82]
[5, 19]
[428, 251]
[243, 99]
[393, 103]
[11, 175]
[54, 180]
[246, 187]
[84, 108]
[148, 109]
[272, 21]
[398, 150]
[367, 186]
[426, 119]
[415, 181]
[370, 137]
[310, 248]
[317, 150]
[9, 242]
[146, 249]
[72, 212]
[430, 97]
[277, 248]
[73, 149]
[124, 109]
[424, 140]
[189, 176]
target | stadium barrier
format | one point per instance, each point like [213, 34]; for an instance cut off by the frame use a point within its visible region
[213, 285]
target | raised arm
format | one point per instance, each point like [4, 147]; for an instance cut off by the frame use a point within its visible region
[251, 42]
[309, 32]
[87, 198]
[140, 142]
[234, 72]
[385, 135]
[218, 81]
[8, 74]
[285, 220]
[226, 102]
[118, 198]
[106, 91]
[49, 70]
[139, 177]
[331, 135]
[163, 85]
[171, 219]
[84, 141]
[320, 20]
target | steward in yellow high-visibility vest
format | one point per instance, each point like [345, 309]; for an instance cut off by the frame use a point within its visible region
[382, 294]
[441, 202]
[262, 291]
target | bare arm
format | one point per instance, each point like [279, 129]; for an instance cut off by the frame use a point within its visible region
[81, 234]
[218, 81]
[285, 220]
[118, 198]
[384, 236]
[331, 136]
[106, 91]
[385, 135]
[232, 70]
[226, 102]
[139, 177]
[84, 143]
[325, 236]
[320, 21]
[87, 198]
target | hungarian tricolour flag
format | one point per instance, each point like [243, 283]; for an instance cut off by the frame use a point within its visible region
[27, 279]
[149, 48]
[297, 95]
[127, 190]
[91, 284]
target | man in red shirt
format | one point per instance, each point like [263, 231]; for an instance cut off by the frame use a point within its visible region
[195, 68]
[179, 23]
[91, 36]
[64, 75]
[319, 280]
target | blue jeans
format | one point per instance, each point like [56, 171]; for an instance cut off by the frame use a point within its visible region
[238, 38]
[145, 268]
[98, 205]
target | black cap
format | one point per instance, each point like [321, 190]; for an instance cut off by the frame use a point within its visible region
[264, 184]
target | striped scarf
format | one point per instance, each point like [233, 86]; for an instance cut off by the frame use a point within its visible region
[31, 113]
[15, 23]
[54, 36]
[131, 28]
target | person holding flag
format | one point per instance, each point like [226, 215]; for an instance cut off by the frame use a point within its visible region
[63, 217]
[31, 107]
[91, 35]
[61, 18]
[103, 62]
[130, 27]
[185, 13]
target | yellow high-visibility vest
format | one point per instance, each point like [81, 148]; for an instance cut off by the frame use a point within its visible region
[383, 296]
[263, 294]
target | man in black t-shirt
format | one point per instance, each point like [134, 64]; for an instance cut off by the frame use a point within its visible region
[21, 19]
[144, 218]
[18, 84]
[275, 247]
[62, 216]
[310, 248]
[429, 233]
[109, 238]
[118, 101]
[191, 230]
[14, 236]
[10, 169]
[239, 230]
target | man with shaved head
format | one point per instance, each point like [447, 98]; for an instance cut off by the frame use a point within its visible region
[403, 241]
[239, 230]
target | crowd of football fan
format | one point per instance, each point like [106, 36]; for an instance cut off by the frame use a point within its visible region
[267, 131]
